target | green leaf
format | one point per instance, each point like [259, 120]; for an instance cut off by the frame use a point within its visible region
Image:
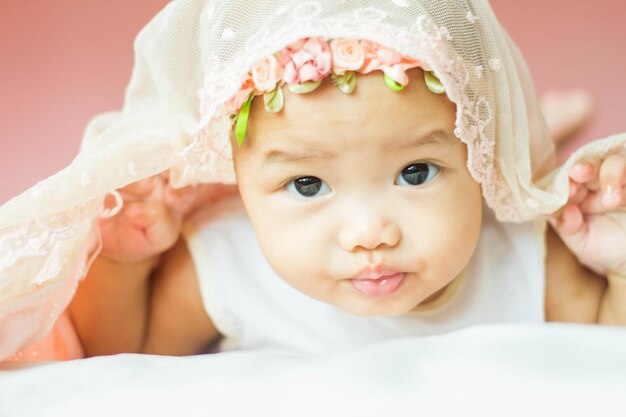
[242, 120]
[433, 83]
[346, 82]
[304, 87]
[273, 100]
[393, 86]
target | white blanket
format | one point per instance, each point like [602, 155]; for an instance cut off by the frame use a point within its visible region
[504, 370]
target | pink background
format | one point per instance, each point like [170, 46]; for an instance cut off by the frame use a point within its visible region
[63, 61]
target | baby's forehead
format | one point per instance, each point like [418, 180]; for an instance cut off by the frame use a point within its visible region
[372, 110]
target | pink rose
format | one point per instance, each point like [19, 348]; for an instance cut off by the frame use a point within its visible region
[234, 104]
[306, 60]
[378, 57]
[348, 55]
[266, 74]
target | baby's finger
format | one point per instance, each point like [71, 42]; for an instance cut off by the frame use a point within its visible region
[571, 226]
[612, 175]
[573, 188]
[140, 187]
[577, 192]
[593, 203]
[179, 199]
[572, 221]
[165, 230]
[161, 227]
[584, 171]
[140, 190]
[145, 214]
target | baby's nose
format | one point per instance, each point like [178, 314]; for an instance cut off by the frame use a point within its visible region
[369, 233]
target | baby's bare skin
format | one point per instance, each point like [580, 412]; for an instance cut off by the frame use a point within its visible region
[126, 305]
[111, 307]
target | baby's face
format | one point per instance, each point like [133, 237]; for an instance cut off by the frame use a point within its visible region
[362, 201]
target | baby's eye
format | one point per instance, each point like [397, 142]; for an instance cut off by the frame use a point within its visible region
[307, 187]
[417, 173]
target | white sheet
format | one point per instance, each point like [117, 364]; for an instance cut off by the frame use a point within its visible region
[486, 370]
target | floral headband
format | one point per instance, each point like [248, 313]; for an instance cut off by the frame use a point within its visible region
[304, 64]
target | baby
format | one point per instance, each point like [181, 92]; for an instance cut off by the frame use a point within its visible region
[373, 200]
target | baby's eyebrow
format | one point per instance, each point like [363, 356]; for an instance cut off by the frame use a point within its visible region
[274, 156]
[438, 137]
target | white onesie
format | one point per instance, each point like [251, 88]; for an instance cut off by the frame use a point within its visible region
[254, 308]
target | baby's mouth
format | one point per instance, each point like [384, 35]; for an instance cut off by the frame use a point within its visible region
[376, 286]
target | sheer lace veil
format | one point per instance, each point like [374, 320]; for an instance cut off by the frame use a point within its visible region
[192, 57]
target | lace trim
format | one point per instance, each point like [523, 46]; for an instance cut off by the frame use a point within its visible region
[49, 255]
[209, 157]
[39, 238]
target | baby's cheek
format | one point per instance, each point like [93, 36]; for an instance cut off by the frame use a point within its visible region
[292, 255]
[446, 236]
[462, 234]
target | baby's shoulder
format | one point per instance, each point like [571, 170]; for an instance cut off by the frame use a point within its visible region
[219, 211]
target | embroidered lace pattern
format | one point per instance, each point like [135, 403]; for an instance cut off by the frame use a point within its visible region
[51, 252]
[467, 78]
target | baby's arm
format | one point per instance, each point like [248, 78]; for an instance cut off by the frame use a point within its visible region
[613, 307]
[130, 312]
[179, 324]
[593, 227]
[122, 305]
[110, 307]
[573, 292]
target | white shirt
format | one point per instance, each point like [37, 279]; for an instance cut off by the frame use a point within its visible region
[253, 308]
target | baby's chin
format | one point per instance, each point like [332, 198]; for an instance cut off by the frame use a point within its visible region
[372, 310]
[364, 306]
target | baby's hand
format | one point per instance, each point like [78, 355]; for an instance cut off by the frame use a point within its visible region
[149, 222]
[593, 223]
